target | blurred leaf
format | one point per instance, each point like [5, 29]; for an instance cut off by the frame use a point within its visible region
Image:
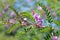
[57, 22]
[27, 15]
[47, 29]
[12, 28]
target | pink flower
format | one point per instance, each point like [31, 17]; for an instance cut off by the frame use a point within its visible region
[55, 38]
[39, 24]
[12, 21]
[7, 26]
[0, 15]
[24, 23]
[37, 18]
[39, 8]
[12, 14]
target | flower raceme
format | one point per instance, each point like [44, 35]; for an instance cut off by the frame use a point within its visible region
[37, 18]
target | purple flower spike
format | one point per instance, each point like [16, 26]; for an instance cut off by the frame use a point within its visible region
[55, 38]
[37, 18]
[12, 14]
[39, 8]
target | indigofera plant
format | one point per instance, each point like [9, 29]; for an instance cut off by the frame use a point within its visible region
[37, 17]
[24, 20]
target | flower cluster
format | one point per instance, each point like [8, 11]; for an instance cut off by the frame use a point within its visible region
[37, 18]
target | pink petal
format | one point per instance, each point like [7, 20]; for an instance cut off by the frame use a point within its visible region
[12, 21]
[39, 8]
[0, 15]
[12, 14]
[55, 38]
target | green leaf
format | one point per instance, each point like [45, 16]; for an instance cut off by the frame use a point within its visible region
[27, 15]
[49, 17]
[12, 28]
[47, 29]
[57, 22]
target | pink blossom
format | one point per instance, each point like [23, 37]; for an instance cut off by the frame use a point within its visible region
[39, 8]
[37, 18]
[0, 15]
[24, 22]
[39, 24]
[12, 14]
[12, 21]
[54, 38]
[7, 26]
